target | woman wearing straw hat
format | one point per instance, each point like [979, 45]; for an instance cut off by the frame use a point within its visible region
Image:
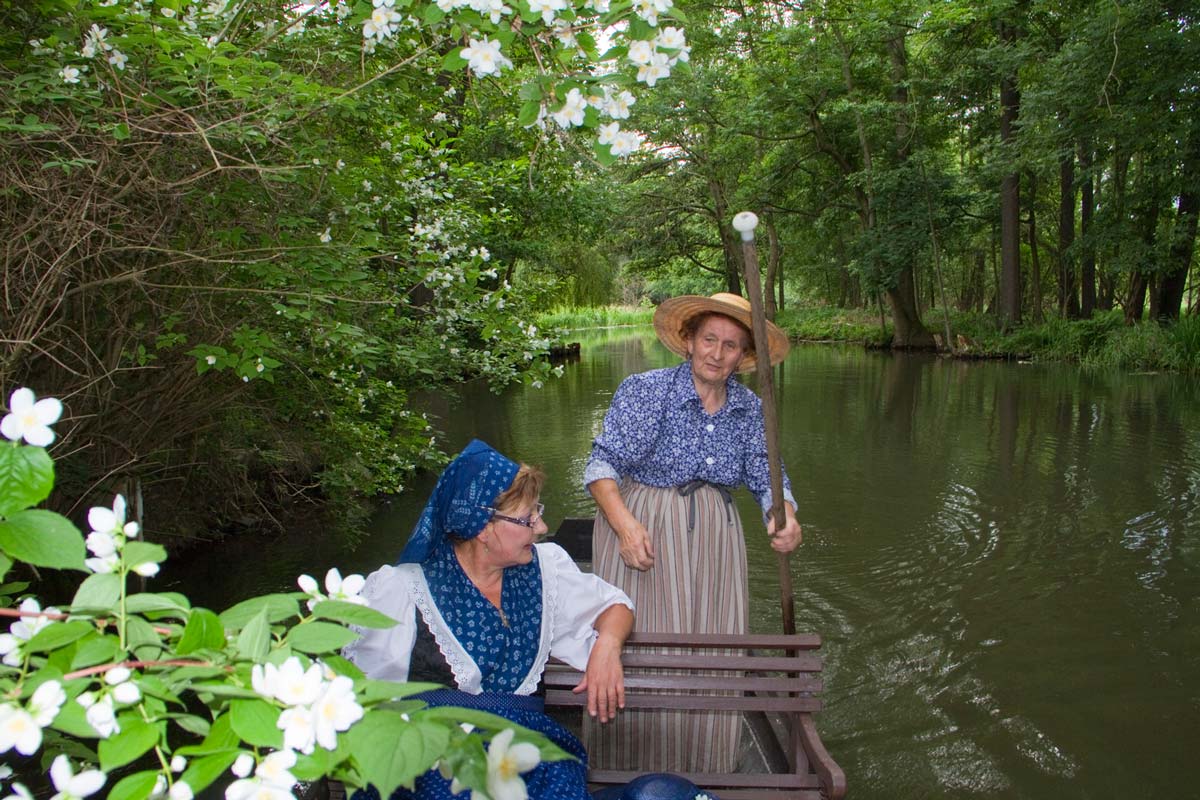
[675, 442]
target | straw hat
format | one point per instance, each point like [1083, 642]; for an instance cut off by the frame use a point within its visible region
[673, 313]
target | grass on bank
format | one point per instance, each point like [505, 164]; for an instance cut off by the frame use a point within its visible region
[1102, 342]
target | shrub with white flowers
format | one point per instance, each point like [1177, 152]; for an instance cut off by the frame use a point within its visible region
[141, 694]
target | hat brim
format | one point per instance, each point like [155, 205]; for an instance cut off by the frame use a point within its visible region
[674, 312]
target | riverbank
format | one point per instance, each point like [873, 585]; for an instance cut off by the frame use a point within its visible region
[1102, 342]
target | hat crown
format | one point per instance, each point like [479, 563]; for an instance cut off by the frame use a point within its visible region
[733, 300]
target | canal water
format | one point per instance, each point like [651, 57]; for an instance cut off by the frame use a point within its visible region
[1003, 559]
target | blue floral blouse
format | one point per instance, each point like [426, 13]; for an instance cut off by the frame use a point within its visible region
[657, 432]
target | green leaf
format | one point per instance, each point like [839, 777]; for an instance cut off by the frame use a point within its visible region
[121, 131]
[254, 642]
[137, 786]
[26, 477]
[136, 553]
[204, 770]
[352, 614]
[279, 607]
[391, 751]
[95, 649]
[72, 720]
[320, 637]
[56, 635]
[433, 15]
[5, 565]
[453, 61]
[342, 666]
[220, 739]
[197, 726]
[255, 721]
[370, 691]
[529, 113]
[42, 538]
[98, 593]
[142, 639]
[136, 737]
[202, 632]
[150, 603]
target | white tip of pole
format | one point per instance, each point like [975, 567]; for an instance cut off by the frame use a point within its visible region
[744, 223]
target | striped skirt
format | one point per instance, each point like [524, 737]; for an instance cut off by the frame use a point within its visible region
[697, 585]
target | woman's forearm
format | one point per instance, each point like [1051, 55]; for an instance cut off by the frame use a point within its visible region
[608, 497]
[615, 623]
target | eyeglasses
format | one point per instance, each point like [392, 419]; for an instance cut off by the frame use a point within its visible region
[528, 522]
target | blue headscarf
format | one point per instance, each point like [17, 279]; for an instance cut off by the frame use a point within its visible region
[461, 502]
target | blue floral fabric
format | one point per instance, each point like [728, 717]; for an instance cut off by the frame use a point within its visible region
[462, 501]
[657, 432]
[504, 653]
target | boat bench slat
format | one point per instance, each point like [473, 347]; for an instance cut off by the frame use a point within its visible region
[557, 679]
[689, 674]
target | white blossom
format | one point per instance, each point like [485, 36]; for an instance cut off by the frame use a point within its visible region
[326, 236]
[626, 142]
[112, 521]
[348, 589]
[71, 786]
[242, 765]
[505, 763]
[29, 418]
[571, 113]
[24, 629]
[299, 732]
[335, 711]
[548, 9]
[101, 716]
[483, 57]
[118, 59]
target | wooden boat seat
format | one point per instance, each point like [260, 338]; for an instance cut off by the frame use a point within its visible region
[756, 674]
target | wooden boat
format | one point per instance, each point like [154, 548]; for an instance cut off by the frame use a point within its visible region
[775, 681]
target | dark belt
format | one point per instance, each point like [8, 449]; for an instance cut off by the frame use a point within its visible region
[689, 490]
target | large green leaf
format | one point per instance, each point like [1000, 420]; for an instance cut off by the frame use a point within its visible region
[142, 639]
[202, 632]
[56, 635]
[352, 614]
[204, 770]
[167, 605]
[220, 739]
[392, 751]
[136, 553]
[96, 648]
[42, 538]
[320, 637]
[279, 607]
[26, 477]
[256, 722]
[98, 594]
[137, 786]
[136, 737]
[254, 642]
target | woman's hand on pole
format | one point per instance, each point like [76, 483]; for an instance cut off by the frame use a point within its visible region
[786, 540]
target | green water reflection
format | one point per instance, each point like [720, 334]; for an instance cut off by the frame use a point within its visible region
[1003, 559]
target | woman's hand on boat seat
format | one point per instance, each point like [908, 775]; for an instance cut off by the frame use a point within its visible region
[604, 679]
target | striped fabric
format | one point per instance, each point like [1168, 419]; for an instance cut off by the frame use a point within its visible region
[697, 585]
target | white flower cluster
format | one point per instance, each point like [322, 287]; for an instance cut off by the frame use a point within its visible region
[29, 418]
[272, 779]
[95, 42]
[32, 620]
[317, 709]
[102, 708]
[21, 726]
[109, 533]
[346, 589]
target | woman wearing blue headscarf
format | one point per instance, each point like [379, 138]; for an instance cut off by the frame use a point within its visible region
[481, 606]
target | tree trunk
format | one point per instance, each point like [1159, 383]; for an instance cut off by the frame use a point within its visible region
[1068, 299]
[1145, 216]
[729, 247]
[1108, 281]
[1009, 300]
[1087, 261]
[1034, 262]
[773, 254]
[909, 332]
[1183, 238]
